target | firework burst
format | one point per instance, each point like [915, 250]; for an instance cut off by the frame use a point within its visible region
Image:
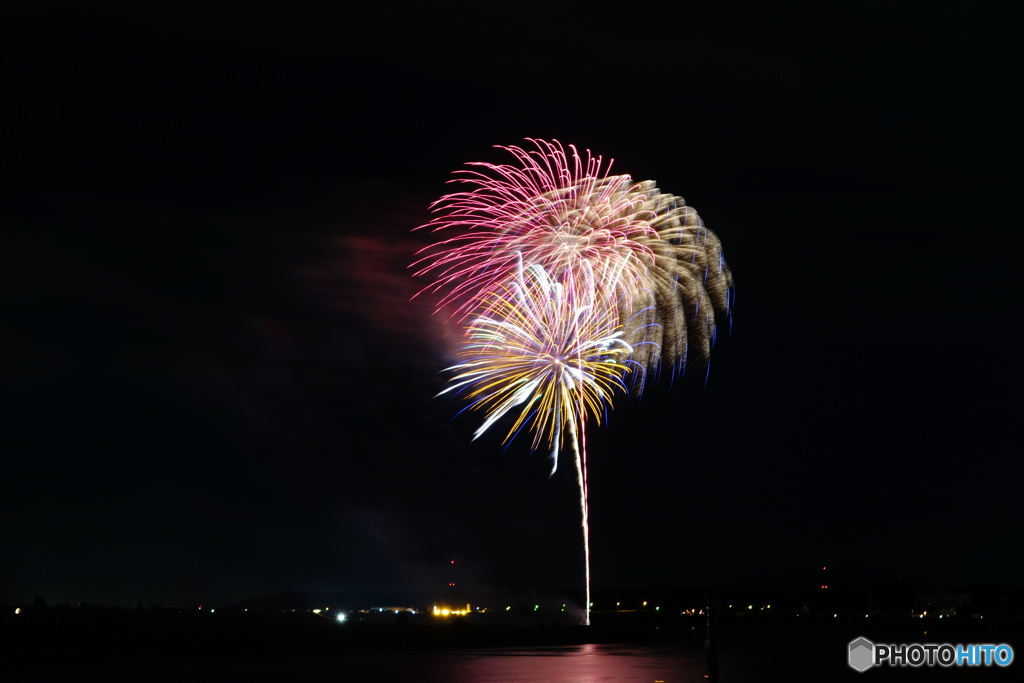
[658, 268]
[544, 351]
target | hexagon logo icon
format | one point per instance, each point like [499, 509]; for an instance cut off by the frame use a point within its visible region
[862, 654]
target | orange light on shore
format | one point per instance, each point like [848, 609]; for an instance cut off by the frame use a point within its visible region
[450, 611]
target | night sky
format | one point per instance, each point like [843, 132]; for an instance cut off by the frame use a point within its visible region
[215, 384]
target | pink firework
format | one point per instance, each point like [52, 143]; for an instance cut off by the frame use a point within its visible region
[657, 267]
[553, 209]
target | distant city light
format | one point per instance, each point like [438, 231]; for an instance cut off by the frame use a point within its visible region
[317, 611]
[450, 612]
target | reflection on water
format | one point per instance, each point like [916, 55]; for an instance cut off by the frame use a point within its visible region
[776, 655]
[562, 664]
[573, 664]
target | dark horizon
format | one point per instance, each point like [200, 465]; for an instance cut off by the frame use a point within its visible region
[216, 382]
[890, 599]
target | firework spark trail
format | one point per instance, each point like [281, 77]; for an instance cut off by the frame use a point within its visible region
[545, 348]
[576, 281]
[580, 451]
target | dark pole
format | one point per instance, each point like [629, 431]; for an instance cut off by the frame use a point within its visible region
[711, 641]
